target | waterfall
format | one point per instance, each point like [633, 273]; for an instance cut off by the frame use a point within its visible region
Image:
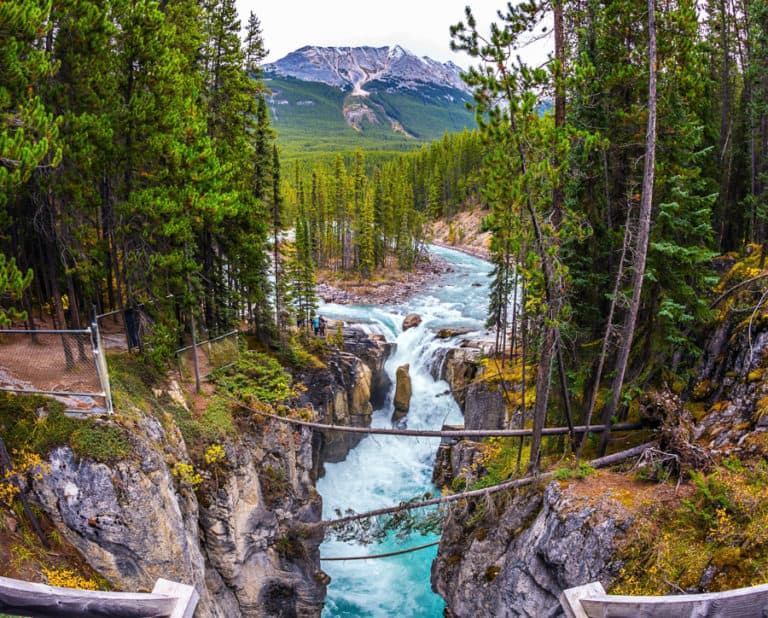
[385, 470]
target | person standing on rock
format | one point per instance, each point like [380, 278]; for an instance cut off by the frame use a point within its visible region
[323, 323]
[316, 324]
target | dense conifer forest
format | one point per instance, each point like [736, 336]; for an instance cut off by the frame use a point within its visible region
[138, 165]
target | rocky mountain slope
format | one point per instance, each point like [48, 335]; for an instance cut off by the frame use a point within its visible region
[380, 98]
[354, 67]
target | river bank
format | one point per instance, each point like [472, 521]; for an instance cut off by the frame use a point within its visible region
[386, 287]
[462, 232]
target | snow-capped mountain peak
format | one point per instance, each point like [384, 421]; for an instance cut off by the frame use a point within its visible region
[353, 67]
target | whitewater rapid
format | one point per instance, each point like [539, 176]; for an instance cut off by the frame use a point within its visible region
[385, 470]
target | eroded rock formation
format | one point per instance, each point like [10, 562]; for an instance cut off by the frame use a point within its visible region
[403, 392]
[135, 521]
[519, 554]
[345, 393]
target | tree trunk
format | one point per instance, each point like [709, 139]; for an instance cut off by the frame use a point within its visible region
[543, 378]
[590, 407]
[643, 233]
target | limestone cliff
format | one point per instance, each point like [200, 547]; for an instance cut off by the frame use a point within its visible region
[512, 555]
[346, 392]
[241, 541]
[240, 529]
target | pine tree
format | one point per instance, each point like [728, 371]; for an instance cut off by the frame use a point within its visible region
[276, 204]
[528, 177]
[301, 271]
[255, 51]
[28, 130]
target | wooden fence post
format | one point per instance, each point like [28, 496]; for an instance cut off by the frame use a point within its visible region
[187, 597]
[570, 599]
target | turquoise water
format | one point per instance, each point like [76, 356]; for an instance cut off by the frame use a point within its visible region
[384, 470]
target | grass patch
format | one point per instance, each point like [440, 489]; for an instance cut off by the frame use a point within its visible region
[580, 471]
[131, 382]
[215, 424]
[39, 424]
[713, 540]
[498, 461]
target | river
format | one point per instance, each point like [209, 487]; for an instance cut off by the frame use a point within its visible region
[385, 470]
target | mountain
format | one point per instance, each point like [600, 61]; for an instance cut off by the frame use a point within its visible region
[377, 98]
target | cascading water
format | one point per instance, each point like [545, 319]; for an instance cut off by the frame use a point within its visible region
[385, 470]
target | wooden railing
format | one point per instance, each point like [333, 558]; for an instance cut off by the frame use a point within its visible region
[167, 600]
[590, 601]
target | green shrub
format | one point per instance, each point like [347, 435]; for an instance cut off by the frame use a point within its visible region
[583, 470]
[255, 377]
[160, 345]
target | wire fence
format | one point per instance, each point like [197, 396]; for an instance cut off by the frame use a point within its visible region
[210, 354]
[124, 329]
[68, 365]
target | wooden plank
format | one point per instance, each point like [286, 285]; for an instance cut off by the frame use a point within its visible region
[740, 603]
[570, 599]
[186, 597]
[43, 601]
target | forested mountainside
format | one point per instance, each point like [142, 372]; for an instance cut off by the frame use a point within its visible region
[385, 98]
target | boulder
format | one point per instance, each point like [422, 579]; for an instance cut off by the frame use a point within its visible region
[403, 391]
[459, 367]
[411, 320]
[448, 333]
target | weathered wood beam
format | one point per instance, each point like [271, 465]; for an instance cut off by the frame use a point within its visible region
[738, 603]
[186, 597]
[570, 599]
[169, 600]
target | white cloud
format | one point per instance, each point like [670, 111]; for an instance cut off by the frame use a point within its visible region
[421, 26]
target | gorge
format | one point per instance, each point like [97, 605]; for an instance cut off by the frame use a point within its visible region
[383, 470]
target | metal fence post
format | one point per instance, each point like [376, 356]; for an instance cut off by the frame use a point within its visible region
[101, 366]
[194, 351]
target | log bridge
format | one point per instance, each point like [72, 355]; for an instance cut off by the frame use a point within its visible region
[590, 601]
[167, 600]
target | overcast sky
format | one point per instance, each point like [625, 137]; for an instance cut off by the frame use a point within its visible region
[420, 26]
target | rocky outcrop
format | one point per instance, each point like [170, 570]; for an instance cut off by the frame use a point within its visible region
[411, 321]
[257, 527]
[732, 386]
[450, 333]
[484, 406]
[243, 534]
[135, 520]
[403, 392]
[374, 351]
[512, 555]
[459, 367]
[342, 393]
[128, 519]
